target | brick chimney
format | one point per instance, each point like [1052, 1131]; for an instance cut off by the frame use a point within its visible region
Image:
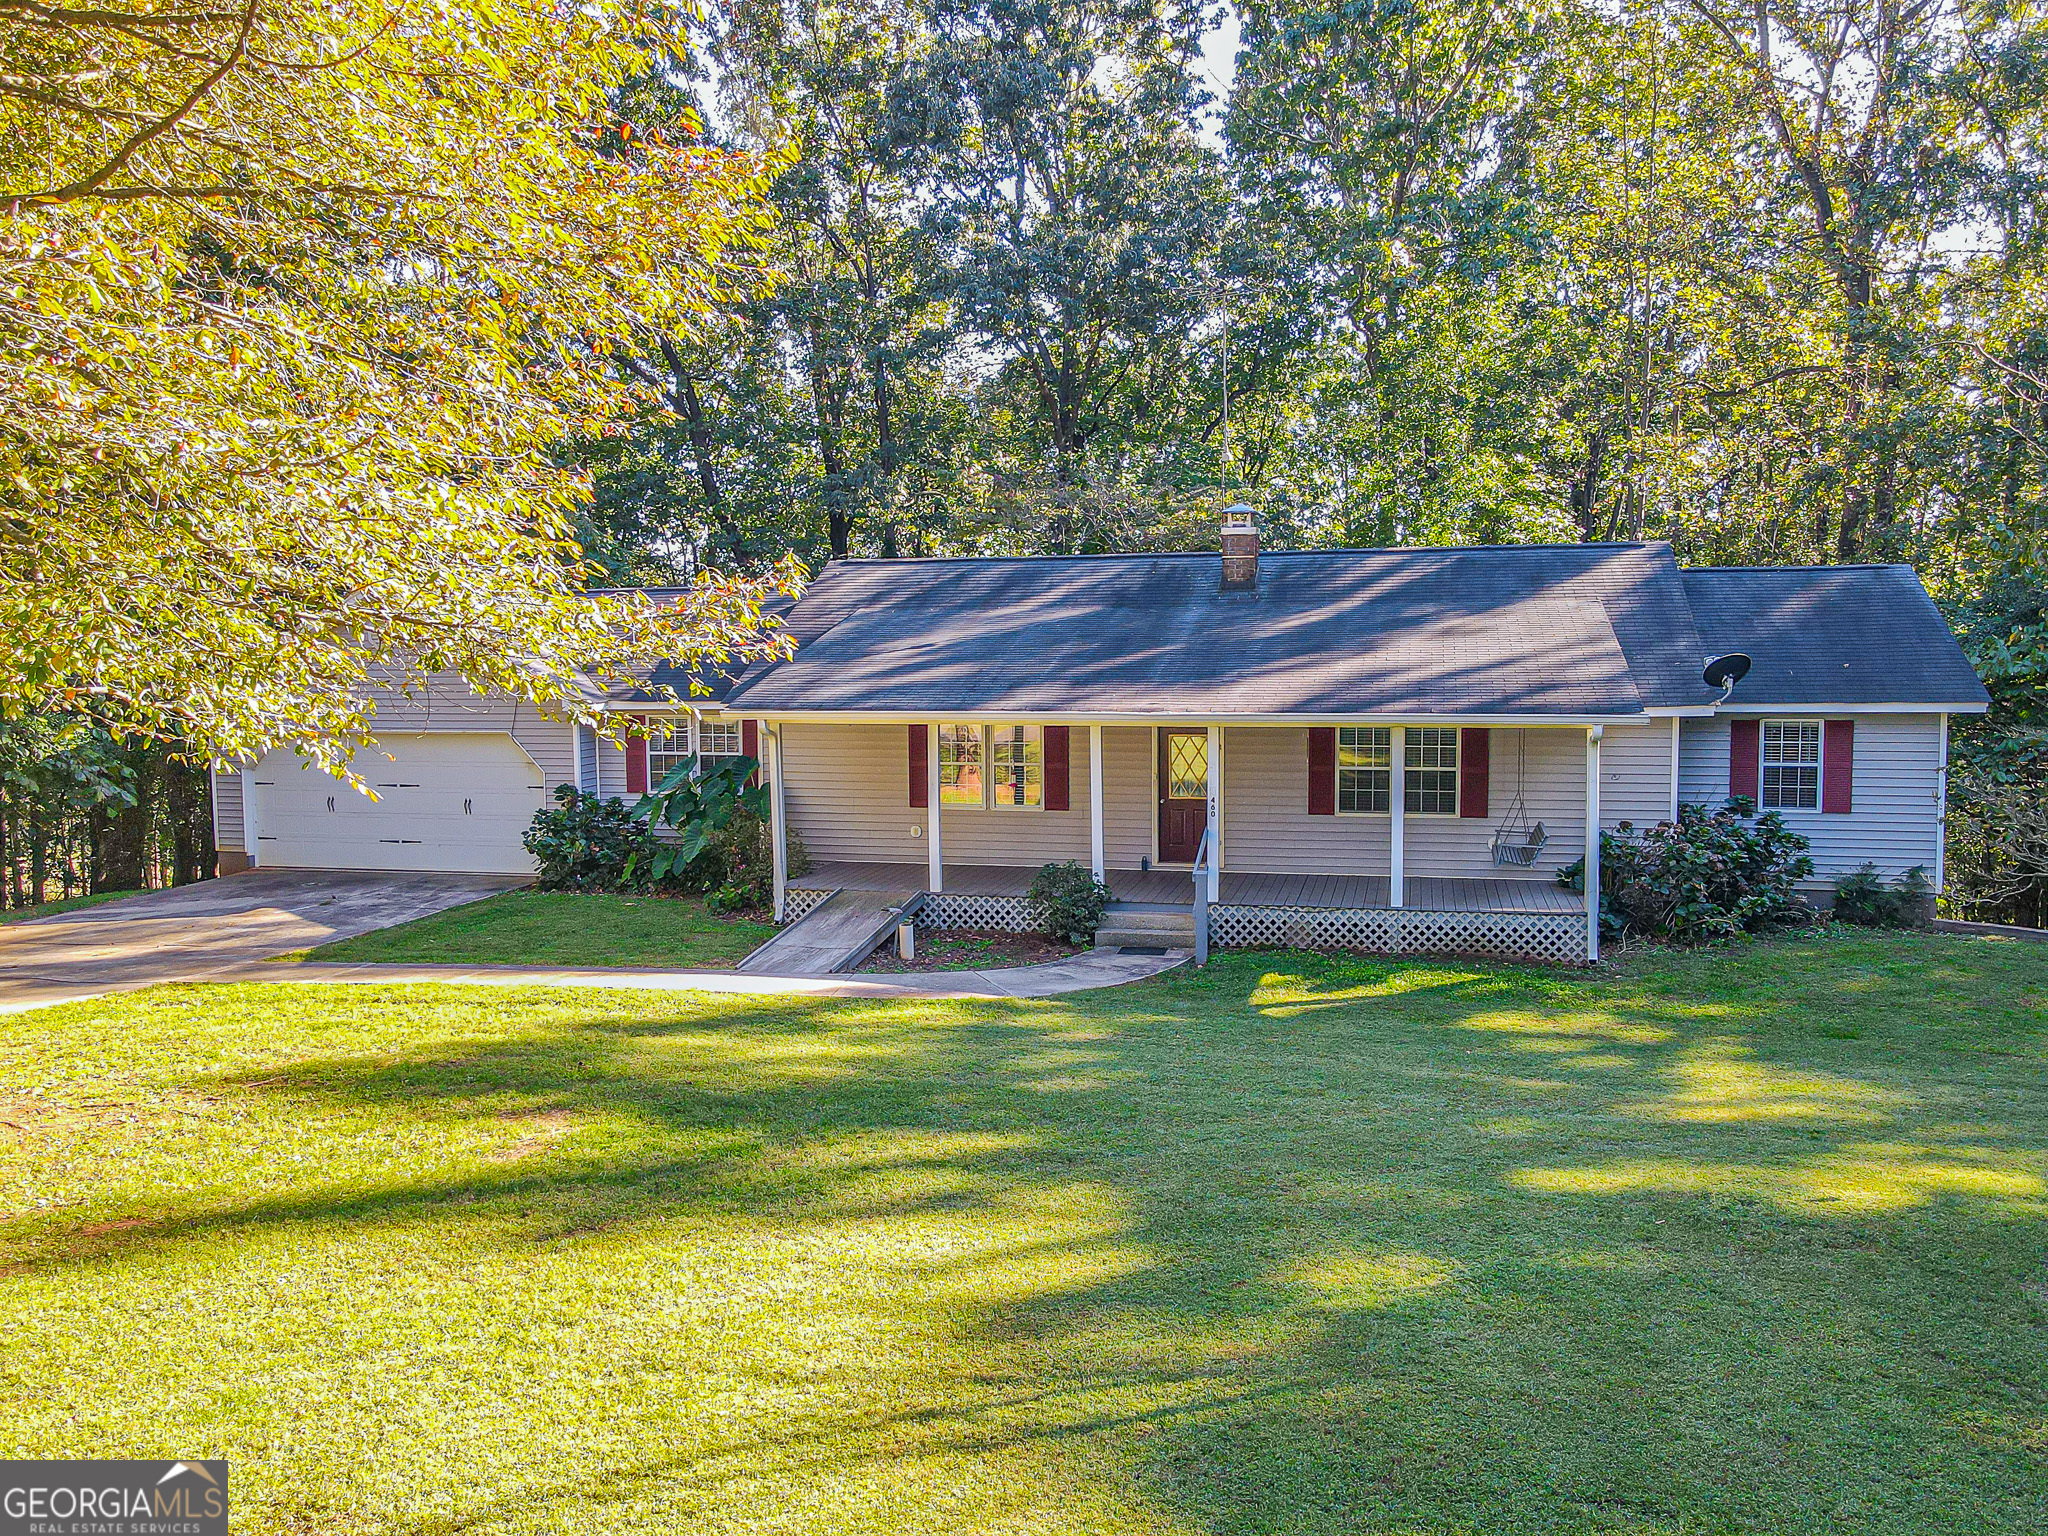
[1240, 549]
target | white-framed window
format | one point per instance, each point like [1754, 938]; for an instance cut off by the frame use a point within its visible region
[1791, 765]
[1430, 772]
[1016, 767]
[717, 739]
[1365, 770]
[668, 747]
[963, 779]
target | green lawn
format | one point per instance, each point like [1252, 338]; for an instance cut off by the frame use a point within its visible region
[549, 928]
[1739, 1242]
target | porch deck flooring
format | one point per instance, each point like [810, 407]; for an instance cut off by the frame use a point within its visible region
[1425, 893]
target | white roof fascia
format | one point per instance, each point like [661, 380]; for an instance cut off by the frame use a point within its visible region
[1160, 717]
[1746, 707]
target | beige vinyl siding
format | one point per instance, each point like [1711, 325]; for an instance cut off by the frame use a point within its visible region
[1703, 762]
[227, 810]
[611, 769]
[1266, 825]
[1894, 819]
[847, 794]
[1635, 775]
[1553, 792]
[1129, 811]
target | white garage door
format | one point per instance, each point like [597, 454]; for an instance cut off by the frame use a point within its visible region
[456, 800]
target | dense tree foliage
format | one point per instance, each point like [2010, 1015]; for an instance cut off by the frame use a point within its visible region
[1764, 279]
[295, 300]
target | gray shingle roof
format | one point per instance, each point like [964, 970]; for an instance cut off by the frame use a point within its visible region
[664, 679]
[1525, 630]
[1832, 634]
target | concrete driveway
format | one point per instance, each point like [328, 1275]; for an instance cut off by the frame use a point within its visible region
[203, 930]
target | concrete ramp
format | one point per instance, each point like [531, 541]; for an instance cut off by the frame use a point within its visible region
[835, 935]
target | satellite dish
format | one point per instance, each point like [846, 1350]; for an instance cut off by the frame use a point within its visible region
[1724, 672]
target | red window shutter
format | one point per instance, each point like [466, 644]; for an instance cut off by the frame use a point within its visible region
[1056, 772]
[636, 759]
[1745, 749]
[750, 745]
[1837, 766]
[920, 767]
[1322, 770]
[1475, 771]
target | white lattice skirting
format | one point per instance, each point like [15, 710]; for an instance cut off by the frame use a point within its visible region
[1558, 937]
[999, 914]
[798, 900]
[1002, 914]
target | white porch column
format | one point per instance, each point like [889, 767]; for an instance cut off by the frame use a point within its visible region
[1397, 814]
[1593, 733]
[1676, 747]
[935, 877]
[1216, 812]
[1941, 815]
[778, 818]
[1095, 841]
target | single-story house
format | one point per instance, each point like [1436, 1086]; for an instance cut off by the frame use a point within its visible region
[1385, 748]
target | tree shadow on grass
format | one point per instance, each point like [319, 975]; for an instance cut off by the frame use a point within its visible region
[1327, 1245]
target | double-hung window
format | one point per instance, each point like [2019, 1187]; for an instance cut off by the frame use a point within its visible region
[716, 739]
[1791, 765]
[1430, 772]
[1016, 767]
[668, 748]
[962, 776]
[1365, 763]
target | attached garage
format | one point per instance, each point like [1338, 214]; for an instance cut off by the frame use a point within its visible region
[455, 801]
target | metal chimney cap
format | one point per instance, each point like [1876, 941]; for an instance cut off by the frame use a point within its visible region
[1238, 515]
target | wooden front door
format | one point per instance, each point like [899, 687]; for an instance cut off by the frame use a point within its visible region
[1183, 794]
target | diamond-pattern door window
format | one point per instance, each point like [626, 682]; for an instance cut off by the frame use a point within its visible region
[1187, 767]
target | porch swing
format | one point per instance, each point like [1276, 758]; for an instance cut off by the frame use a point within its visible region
[1515, 841]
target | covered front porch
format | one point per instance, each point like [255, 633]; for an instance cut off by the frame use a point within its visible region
[1530, 919]
[1389, 838]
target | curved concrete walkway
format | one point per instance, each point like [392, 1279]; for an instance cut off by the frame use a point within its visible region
[1079, 973]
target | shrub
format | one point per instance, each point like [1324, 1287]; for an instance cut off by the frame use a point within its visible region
[1703, 878]
[696, 807]
[1863, 898]
[1066, 902]
[587, 843]
[738, 864]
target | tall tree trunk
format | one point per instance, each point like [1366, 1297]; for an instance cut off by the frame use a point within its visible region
[684, 391]
[38, 856]
[838, 522]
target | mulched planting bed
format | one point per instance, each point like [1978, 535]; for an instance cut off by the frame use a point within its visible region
[970, 949]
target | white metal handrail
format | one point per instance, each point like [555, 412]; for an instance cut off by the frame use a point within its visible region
[1205, 860]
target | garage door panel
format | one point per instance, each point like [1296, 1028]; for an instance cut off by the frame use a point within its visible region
[454, 801]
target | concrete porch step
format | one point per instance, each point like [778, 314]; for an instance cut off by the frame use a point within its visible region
[1146, 926]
